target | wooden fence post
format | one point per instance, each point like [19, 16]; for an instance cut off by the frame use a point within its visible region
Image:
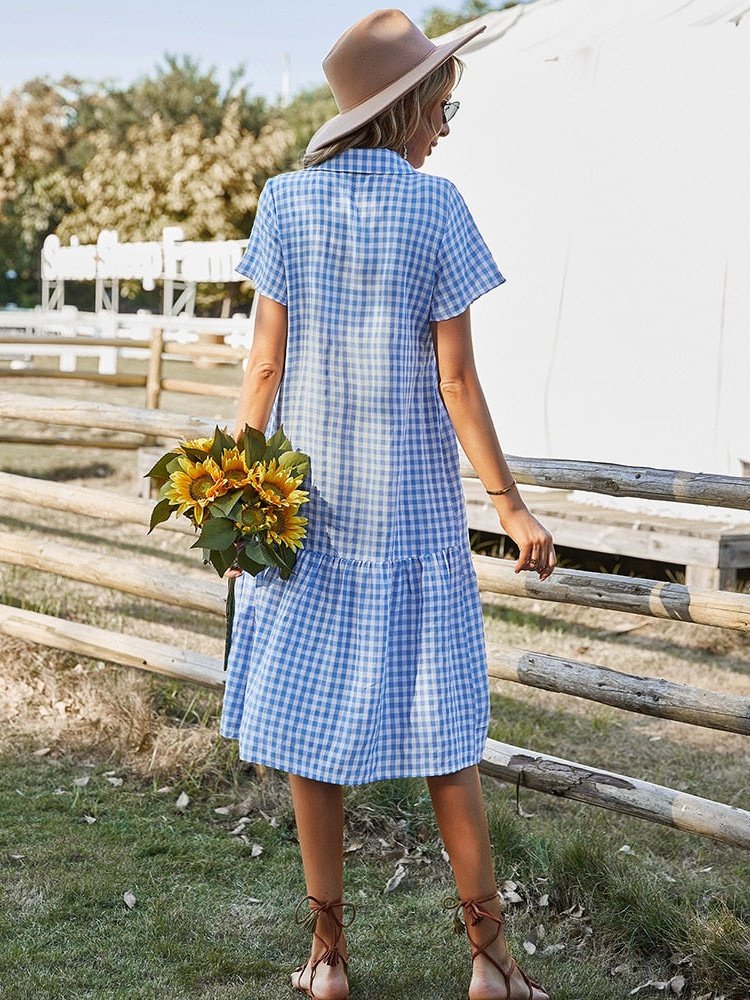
[153, 377]
[153, 392]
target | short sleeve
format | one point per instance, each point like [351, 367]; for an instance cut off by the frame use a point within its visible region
[262, 261]
[465, 267]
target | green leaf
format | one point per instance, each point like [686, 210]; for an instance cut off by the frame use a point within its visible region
[286, 555]
[174, 465]
[218, 533]
[254, 444]
[221, 561]
[224, 504]
[273, 556]
[255, 551]
[277, 444]
[249, 565]
[295, 462]
[195, 454]
[227, 441]
[161, 512]
[216, 449]
[160, 469]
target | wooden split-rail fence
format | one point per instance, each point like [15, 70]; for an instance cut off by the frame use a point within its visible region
[520, 766]
[208, 348]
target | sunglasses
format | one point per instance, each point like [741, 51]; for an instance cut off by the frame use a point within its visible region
[449, 109]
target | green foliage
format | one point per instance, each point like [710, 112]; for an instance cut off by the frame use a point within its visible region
[218, 533]
[438, 20]
[172, 148]
[304, 115]
[254, 443]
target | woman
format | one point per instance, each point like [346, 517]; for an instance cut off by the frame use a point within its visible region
[369, 661]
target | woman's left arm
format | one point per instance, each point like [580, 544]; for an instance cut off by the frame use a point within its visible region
[265, 367]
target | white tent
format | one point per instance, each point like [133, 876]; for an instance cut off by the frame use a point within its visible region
[603, 147]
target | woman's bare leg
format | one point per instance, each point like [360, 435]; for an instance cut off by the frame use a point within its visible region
[459, 811]
[319, 814]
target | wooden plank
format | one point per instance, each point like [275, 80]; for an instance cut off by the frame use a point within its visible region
[710, 578]
[32, 340]
[618, 792]
[596, 529]
[593, 536]
[635, 595]
[221, 352]
[126, 650]
[87, 501]
[70, 442]
[81, 376]
[628, 481]
[617, 480]
[130, 576]
[200, 388]
[83, 413]
[644, 695]
[153, 375]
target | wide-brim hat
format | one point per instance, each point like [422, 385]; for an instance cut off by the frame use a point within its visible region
[376, 61]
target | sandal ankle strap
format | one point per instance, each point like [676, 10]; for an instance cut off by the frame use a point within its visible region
[471, 908]
[332, 955]
[310, 919]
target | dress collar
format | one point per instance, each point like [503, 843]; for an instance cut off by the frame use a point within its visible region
[367, 160]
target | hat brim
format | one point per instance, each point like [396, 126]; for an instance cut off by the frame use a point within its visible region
[347, 121]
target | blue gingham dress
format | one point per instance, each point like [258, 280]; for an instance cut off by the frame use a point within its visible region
[369, 662]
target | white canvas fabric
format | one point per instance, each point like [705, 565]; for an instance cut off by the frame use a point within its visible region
[603, 148]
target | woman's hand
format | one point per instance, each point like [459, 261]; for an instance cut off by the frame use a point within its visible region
[532, 538]
[234, 572]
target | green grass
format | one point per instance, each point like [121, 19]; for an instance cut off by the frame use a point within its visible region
[212, 921]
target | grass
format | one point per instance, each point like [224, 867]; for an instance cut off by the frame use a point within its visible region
[211, 920]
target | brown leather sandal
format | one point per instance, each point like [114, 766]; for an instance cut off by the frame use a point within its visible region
[332, 955]
[471, 906]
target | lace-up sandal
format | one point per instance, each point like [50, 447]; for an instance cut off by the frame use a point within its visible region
[475, 913]
[332, 955]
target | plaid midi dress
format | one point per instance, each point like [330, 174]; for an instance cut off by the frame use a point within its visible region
[369, 662]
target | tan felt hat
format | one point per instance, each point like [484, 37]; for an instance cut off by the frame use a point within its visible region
[376, 61]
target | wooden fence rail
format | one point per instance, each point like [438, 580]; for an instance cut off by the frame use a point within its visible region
[153, 380]
[651, 598]
[644, 695]
[620, 480]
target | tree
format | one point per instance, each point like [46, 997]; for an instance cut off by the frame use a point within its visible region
[172, 148]
[33, 123]
[438, 20]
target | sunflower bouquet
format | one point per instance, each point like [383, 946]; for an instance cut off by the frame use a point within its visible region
[243, 497]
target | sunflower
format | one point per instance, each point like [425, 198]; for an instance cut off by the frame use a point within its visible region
[253, 520]
[274, 485]
[197, 444]
[195, 486]
[234, 469]
[285, 526]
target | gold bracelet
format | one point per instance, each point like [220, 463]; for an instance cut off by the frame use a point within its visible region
[500, 492]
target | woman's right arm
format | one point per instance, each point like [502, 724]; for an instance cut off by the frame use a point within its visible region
[463, 396]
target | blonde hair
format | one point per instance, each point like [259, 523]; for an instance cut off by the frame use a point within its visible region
[394, 127]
